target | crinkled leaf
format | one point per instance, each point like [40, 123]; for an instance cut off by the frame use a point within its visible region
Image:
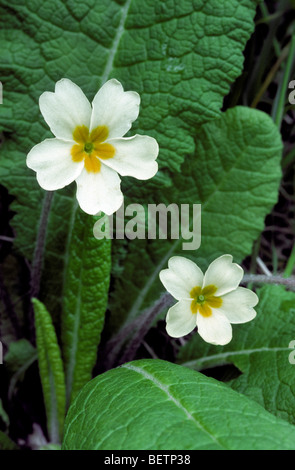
[156, 405]
[51, 371]
[85, 301]
[234, 175]
[180, 56]
[260, 350]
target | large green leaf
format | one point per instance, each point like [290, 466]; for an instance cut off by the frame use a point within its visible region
[85, 301]
[156, 405]
[234, 175]
[51, 371]
[260, 350]
[180, 56]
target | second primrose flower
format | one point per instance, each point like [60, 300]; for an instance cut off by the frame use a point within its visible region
[211, 302]
[89, 146]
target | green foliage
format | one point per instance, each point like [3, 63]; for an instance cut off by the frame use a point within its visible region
[51, 371]
[19, 353]
[260, 350]
[19, 357]
[182, 58]
[234, 174]
[156, 405]
[85, 301]
[6, 443]
[10, 307]
[3, 415]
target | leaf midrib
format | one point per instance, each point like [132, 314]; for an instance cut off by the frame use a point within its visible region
[165, 389]
[196, 362]
[116, 42]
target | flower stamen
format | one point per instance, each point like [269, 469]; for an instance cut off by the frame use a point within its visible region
[91, 147]
[204, 300]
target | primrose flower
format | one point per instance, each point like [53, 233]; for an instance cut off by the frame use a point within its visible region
[211, 302]
[89, 147]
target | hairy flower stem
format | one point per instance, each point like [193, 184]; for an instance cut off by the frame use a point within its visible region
[139, 327]
[264, 279]
[146, 320]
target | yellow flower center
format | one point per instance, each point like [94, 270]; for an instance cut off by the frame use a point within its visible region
[204, 299]
[91, 147]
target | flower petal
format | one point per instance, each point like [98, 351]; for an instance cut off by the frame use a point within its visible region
[135, 156]
[52, 161]
[181, 277]
[65, 109]
[224, 274]
[180, 319]
[99, 191]
[115, 108]
[215, 329]
[238, 305]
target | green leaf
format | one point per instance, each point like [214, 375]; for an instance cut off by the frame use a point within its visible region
[19, 353]
[6, 443]
[11, 306]
[51, 371]
[85, 301]
[180, 56]
[156, 405]
[235, 176]
[50, 447]
[260, 350]
[4, 416]
[19, 357]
